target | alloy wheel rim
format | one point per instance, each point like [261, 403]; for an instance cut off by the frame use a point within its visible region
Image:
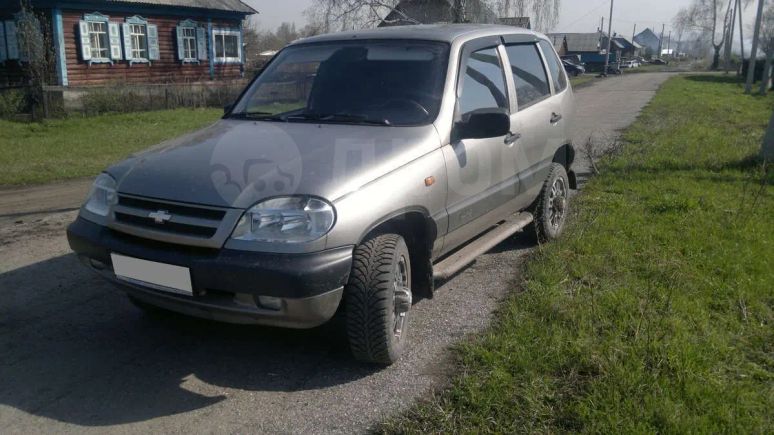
[557, 201]
[401, 296]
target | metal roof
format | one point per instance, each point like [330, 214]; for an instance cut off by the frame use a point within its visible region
[217, 5]
[430, 32]
[579, 42]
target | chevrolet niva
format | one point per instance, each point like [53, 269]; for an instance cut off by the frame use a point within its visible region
[355, 170]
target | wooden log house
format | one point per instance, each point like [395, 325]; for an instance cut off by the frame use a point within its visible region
[101, 42]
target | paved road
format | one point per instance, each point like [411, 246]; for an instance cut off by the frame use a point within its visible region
[77, 357]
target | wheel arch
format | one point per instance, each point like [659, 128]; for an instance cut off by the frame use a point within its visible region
[420, 231]
[565, 156]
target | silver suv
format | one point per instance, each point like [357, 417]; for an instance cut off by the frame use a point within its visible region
[355, 171]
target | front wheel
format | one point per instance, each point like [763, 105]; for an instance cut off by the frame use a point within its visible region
[551, 208]
[378, 299]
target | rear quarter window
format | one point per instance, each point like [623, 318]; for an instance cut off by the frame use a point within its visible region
[555, 66]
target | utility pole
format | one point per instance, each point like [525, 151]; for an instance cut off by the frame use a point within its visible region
[754, 49]
[602, 26]
[741, 33]
[669, 40]
[634, 32]
[609, 39]
[661, 41]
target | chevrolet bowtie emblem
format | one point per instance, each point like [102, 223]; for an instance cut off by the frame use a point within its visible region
[160, 216]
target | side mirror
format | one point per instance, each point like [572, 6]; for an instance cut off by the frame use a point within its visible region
[482, 124]
[227, 108]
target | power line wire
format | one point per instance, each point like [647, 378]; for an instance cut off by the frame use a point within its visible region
[591, 11]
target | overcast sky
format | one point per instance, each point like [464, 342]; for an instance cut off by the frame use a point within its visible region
[576, 15]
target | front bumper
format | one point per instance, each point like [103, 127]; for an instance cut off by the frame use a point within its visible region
[226, 283]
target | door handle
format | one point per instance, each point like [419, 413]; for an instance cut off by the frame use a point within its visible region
[555, 117]
[511, 138]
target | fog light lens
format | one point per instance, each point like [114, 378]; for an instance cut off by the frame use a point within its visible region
[270, 302]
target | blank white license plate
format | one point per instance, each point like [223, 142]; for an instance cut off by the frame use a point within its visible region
[176, 279]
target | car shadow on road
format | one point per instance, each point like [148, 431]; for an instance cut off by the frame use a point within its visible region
[77, 351]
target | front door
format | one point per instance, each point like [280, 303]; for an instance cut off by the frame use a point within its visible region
[480, 179]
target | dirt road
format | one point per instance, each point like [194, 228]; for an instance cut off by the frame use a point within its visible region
[77, 357]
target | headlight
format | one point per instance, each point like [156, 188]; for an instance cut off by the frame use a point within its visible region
[102, 195]
[290, 219]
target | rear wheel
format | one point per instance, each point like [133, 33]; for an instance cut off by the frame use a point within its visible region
[550, 210]
[378, 299]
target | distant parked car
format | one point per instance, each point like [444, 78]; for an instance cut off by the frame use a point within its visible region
[658, 61]
[573, 69]
[630, 63]
[573, 59]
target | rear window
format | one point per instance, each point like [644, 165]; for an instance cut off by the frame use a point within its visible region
[528, 73]
[554, 65]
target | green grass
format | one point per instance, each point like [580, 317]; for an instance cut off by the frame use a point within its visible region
[83, 146]
[655, 311]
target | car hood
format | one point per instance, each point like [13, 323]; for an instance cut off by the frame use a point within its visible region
[236, 163]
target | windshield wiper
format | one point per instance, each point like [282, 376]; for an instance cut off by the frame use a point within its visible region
[263, 116]
[347, 118]
[355, 119]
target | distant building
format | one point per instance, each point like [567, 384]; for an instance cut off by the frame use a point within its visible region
[649, 41]
[409, 12]
[630, 49]
[590, 47]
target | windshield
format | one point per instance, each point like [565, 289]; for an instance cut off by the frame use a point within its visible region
[378, 82]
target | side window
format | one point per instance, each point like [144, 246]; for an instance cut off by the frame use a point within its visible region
[100, 39]
[228, 46]
[556, 67]
[191, 42]
[483, 86]
[528, 73]
[141, 40]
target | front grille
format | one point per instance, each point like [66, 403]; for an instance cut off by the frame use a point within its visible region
[181, 219]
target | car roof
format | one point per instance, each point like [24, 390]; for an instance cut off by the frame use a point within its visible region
[430, 32]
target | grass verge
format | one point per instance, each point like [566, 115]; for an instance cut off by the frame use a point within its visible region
[83, 146]
[654, 312]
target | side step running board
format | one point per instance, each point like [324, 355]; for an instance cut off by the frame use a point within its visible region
[467, 254]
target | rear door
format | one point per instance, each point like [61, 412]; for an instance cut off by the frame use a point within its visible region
[562, 103]
[533, 119]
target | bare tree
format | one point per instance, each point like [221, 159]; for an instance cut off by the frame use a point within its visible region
[338, 15]
[766, 43]
[766, 32]
[705, 16]
[681, 23]
[335, 15]
[38, 56]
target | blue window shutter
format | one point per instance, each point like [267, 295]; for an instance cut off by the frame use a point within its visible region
[114, 33]
[127, 41]
[180, 47]
[11, 40]
[153, 42]
[3, 52]
[83, 32]
[201, 43]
